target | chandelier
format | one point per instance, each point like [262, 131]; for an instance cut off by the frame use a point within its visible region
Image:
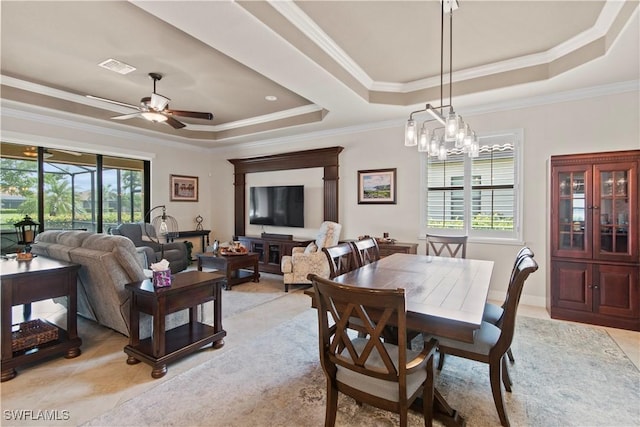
[451, 132]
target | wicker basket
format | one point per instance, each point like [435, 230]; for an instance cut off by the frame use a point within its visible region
[31, 334]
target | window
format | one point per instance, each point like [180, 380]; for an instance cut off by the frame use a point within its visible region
[79, 190]
[478, 196]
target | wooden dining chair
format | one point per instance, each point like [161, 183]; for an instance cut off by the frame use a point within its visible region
[342, 259]
[493, 313]
[369, 369]
[366, 250]
[492, 342]
[451, 246]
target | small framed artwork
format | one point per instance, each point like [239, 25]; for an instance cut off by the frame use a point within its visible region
[377, 186]
[184, 188]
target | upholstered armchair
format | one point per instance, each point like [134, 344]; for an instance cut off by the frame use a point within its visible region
[311, 259]
[174, 252]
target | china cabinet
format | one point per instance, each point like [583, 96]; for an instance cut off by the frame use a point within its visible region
[595, 259]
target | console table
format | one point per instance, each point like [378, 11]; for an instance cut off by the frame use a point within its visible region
[387, 249]
[24, 282]
[204, 236]
[188, 290]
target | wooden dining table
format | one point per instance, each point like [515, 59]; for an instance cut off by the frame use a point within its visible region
[445, 297]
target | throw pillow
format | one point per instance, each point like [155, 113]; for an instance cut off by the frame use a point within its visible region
[311, 248]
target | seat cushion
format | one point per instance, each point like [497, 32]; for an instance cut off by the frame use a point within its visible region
[388, 390]
[492, 313]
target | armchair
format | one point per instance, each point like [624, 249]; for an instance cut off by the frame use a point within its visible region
[304, 261]
[175, 252]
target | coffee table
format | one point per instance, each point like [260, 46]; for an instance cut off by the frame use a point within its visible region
[232, 266]
[188, 290]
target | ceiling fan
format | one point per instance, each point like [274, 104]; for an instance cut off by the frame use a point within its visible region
[155, 108]
[33, 152]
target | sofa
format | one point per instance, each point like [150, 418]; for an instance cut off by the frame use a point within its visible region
[145, 238]
[107, 264]
[303, 261]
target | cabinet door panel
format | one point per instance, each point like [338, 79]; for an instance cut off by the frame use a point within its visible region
[571, 217]
[616, 206]
[571, 281]
[617, 290]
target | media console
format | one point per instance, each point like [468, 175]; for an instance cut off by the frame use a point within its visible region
[270, 250]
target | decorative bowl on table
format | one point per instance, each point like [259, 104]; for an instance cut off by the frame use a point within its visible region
[236, 249]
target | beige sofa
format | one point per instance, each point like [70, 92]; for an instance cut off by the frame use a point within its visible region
[108, 263]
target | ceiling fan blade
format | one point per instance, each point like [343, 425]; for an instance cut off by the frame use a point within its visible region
[192, 114]
[72, 153]
[174, 123]
[158, 102]
[111, 101]
[126, 116]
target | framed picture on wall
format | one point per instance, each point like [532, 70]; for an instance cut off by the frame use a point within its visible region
[377, 186]
[184, 188]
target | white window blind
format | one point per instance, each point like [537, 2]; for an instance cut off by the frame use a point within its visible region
[478, 196]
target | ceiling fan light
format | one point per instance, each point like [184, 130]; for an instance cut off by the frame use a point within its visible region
[158, 102]
[152, 116]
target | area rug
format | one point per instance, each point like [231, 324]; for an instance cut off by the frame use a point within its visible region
[564, 375]
[246, 296]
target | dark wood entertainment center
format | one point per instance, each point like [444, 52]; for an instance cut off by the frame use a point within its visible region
[326, 158]
[272, 247]
[270, 250]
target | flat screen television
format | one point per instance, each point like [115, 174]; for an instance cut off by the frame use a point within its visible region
[277, 205]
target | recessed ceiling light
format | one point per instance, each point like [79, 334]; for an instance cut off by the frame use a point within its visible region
[117, 66]
[271, 98]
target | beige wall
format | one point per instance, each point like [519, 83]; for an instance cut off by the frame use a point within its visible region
[600, 123]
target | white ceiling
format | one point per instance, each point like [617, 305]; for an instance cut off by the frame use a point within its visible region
[331, 64]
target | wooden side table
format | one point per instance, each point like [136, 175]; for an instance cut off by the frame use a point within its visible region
[188, 290]
[24, 282]
[387, 249]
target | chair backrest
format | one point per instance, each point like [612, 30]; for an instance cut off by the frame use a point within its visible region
[366, 250]
[451, 246]
[525, 266]
[342, 259]
[337, 305]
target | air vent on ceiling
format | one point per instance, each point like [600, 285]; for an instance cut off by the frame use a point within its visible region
[117, 66]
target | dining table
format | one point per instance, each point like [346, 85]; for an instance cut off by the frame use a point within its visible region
[444, 296]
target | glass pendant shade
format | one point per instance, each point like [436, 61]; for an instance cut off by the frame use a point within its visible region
[451, 127]
[410, 134]
[442, 152]
[424, 140]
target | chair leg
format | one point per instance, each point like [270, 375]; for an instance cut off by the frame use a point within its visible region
[510, 354]
[506, 379]
[332, 405]
[403, 415]
[496, 390]
[427, 395]
[441, 360]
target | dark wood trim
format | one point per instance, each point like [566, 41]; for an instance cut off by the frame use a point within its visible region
[326, 158]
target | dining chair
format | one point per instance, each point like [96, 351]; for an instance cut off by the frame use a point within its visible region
[370, 370]
[342, 259]
[366, 251]
[451, 246]
[492, 342]
[493, 313]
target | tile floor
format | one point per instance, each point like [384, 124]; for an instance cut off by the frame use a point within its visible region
[99, 379]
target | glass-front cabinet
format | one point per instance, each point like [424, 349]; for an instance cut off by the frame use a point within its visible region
[595, 244]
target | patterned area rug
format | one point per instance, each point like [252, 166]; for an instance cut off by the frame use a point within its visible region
[564, 375]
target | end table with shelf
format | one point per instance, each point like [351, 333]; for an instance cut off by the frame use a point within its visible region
[188, 290]
[25, 282]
